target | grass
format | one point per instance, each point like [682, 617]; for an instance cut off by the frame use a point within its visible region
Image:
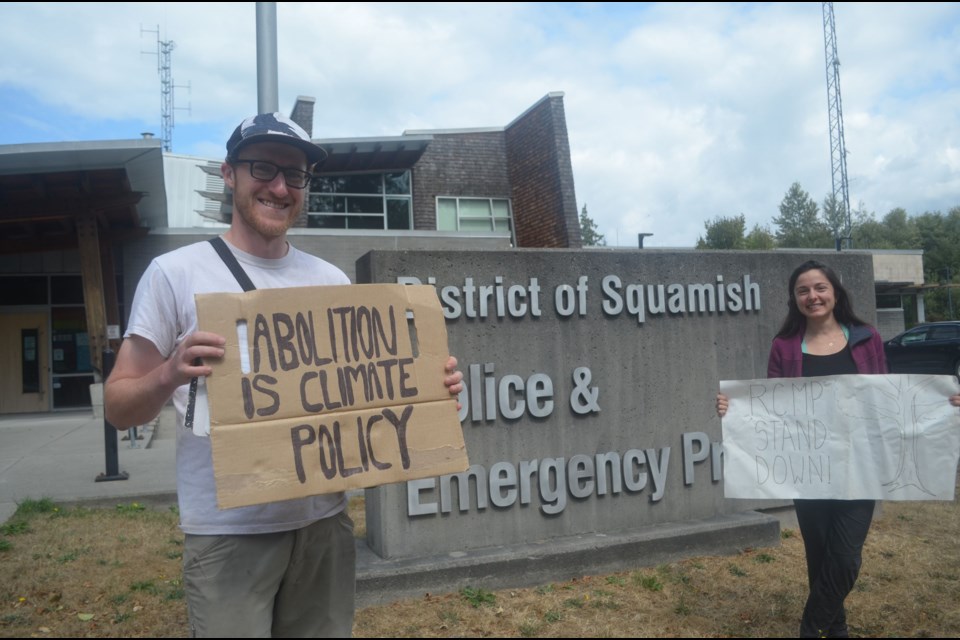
[115, 572]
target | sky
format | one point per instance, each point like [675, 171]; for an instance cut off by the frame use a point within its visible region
[677, 114]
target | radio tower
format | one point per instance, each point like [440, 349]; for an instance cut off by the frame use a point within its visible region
[167, 108]
[838, 148]
[164, 49]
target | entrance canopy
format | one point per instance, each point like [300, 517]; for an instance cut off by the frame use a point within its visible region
[45, 188]
[85, 196]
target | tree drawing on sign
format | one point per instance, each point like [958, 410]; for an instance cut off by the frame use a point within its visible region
[900, 404]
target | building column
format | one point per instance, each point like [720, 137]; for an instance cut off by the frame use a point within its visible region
[88, 236]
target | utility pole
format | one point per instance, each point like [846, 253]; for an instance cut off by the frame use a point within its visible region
[838, 148]
[268, 100]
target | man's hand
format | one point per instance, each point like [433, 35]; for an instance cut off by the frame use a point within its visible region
[186, 362]
[143, 380]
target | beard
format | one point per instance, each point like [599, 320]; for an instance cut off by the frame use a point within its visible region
[269, 226]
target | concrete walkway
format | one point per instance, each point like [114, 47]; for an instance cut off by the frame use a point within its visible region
[60, 456]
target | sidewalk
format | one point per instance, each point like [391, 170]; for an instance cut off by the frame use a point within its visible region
[60, 455]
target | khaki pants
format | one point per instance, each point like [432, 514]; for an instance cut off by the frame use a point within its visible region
[293, 584]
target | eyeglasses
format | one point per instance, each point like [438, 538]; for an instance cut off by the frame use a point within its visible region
[267, 171]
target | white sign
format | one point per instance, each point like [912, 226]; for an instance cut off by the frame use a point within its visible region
[848, 437]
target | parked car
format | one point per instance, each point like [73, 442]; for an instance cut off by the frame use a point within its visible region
[933, 347]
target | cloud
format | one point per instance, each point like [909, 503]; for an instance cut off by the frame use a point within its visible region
[676, 113]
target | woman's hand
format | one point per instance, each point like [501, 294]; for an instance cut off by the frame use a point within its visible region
[723, 403]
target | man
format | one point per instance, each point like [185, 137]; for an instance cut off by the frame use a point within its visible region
[281, 569]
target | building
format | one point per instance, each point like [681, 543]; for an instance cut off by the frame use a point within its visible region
[80, 222]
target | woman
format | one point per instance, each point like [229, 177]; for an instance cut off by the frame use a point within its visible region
[822, 336]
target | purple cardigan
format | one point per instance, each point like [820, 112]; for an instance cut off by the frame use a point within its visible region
[866, 347]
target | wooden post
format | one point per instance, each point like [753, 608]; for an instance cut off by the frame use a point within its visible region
[110, 288]
[88, 237]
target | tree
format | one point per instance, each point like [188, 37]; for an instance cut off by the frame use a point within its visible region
[724, 233]
[835, 217]
[760, 239]
[798, 225]
[901, 230]
[936, 234]
[867, 231]
[590, 236]
[940, 241]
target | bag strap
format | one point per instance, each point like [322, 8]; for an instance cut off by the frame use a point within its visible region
[231, 261]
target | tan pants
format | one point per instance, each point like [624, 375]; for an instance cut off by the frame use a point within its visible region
[294, 584]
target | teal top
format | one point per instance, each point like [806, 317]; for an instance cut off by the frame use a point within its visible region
[846, 336]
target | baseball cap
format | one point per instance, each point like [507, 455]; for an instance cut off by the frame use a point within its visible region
[273, 127]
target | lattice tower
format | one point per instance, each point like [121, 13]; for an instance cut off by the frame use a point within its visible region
[838, 148]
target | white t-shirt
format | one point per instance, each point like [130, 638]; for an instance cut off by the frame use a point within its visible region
[164, 312]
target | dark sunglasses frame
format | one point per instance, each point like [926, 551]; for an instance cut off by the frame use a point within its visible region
[264, 168]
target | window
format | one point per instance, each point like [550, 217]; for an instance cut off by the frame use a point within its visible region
[914, 336]
[24, 290]
[29, 360]
[66, 290]
[361, 201]
[474, 214]
[947, 332]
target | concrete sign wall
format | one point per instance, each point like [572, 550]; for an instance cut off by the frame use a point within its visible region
[591, 378]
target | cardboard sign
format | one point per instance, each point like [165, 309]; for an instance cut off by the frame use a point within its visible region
[845, 437]
[324, 389]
